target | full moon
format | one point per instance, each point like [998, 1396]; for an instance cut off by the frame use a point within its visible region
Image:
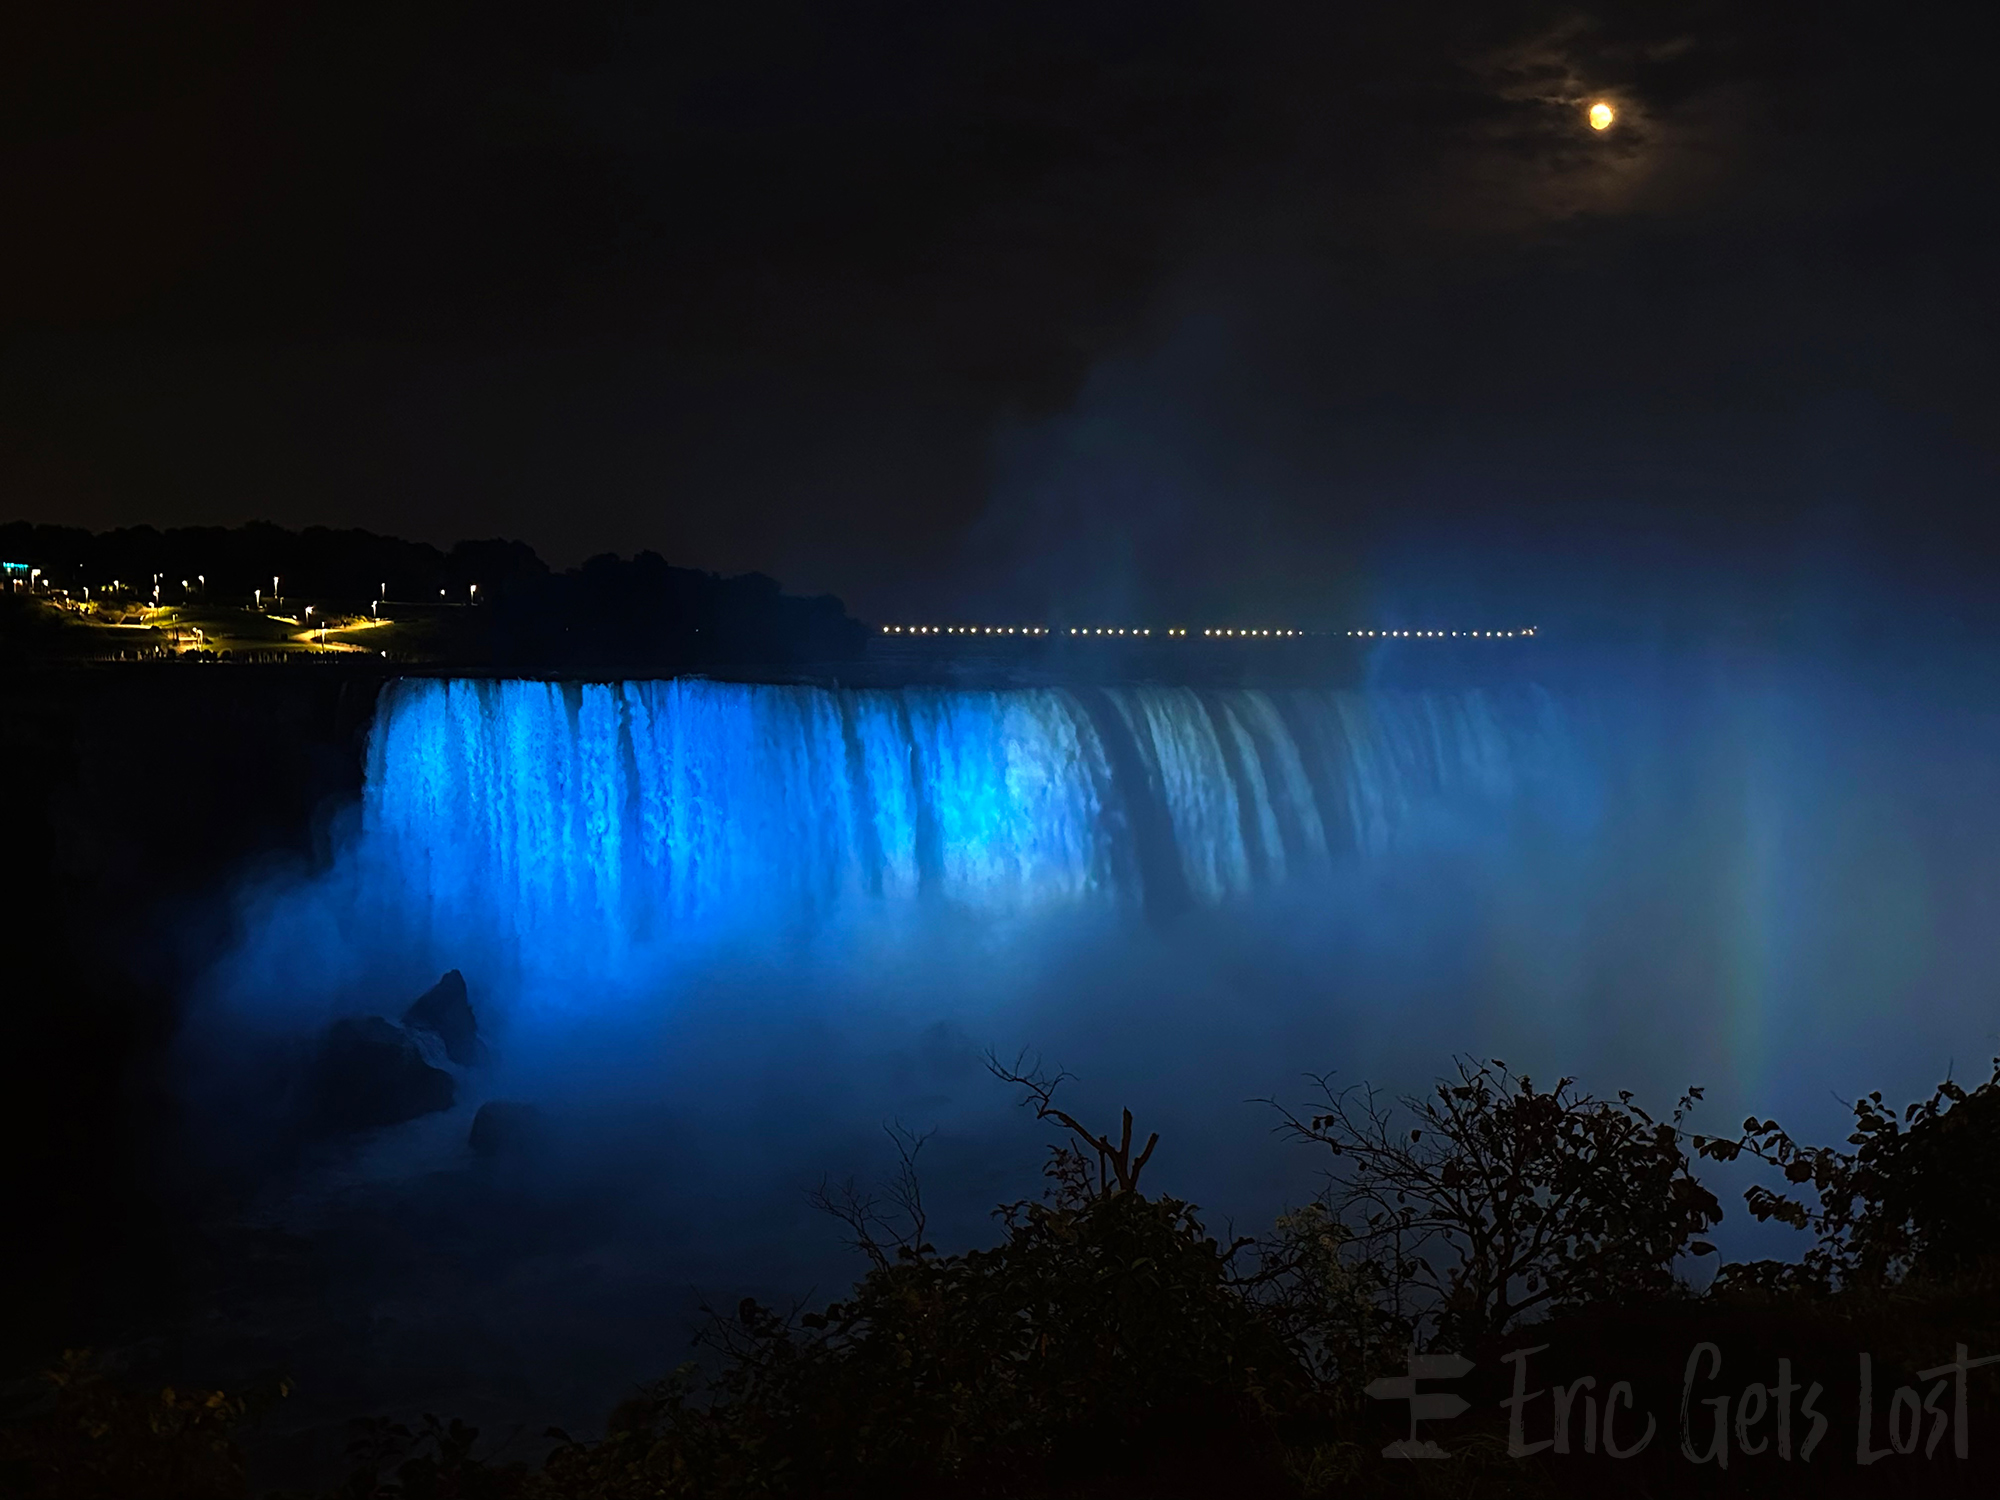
[1601, 115]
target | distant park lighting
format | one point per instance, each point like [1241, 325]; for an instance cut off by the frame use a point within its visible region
[1601, 116]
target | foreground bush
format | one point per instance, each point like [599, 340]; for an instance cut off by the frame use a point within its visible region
[1488, 1200]
[1109, 1346]
[1917, 1199]
[92, 1436]
[1099, 1348]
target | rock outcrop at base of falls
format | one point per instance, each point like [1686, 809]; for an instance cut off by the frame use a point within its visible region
[370, 1072]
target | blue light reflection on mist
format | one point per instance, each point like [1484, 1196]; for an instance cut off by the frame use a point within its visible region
[721, 933]
[760, 908]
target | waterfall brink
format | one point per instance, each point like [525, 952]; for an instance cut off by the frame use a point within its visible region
[608, 815]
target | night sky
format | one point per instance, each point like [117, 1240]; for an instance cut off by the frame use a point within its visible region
[1162, 308]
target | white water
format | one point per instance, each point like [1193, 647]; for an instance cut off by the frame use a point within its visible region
[721, 932]
[587, 820]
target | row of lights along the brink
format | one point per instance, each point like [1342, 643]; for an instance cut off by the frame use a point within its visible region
[1435, 635]
[1218, 633]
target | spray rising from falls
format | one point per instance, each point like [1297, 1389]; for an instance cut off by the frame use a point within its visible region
[593, 818]
[791, 912]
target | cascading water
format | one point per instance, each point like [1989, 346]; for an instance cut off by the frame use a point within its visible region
[569, 820]
[715, 934]
[719, 934]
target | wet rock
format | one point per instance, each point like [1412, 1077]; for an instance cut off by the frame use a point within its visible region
[505, 1128]
[371, 1072]
[446, 1013]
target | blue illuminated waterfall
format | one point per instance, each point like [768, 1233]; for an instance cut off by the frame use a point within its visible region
[786, 913]
[595, 817]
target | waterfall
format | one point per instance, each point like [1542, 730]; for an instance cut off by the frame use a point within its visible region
[610, 814]
[1742, 876]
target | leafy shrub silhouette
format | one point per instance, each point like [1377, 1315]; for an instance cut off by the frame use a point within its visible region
[1917, 1198]
[1488, 1199]
[90, 1435]
[1109, 1345]
[1103, 1347]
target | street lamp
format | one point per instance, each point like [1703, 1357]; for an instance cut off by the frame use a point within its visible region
[475, 594]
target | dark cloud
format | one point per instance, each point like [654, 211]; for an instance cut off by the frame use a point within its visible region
[931, 302]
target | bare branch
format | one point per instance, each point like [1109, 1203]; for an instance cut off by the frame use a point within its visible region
[1487, 1196]
[877, 1232]
[1117, 1169]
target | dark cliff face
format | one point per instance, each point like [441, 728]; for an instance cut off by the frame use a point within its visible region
[133, 797]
